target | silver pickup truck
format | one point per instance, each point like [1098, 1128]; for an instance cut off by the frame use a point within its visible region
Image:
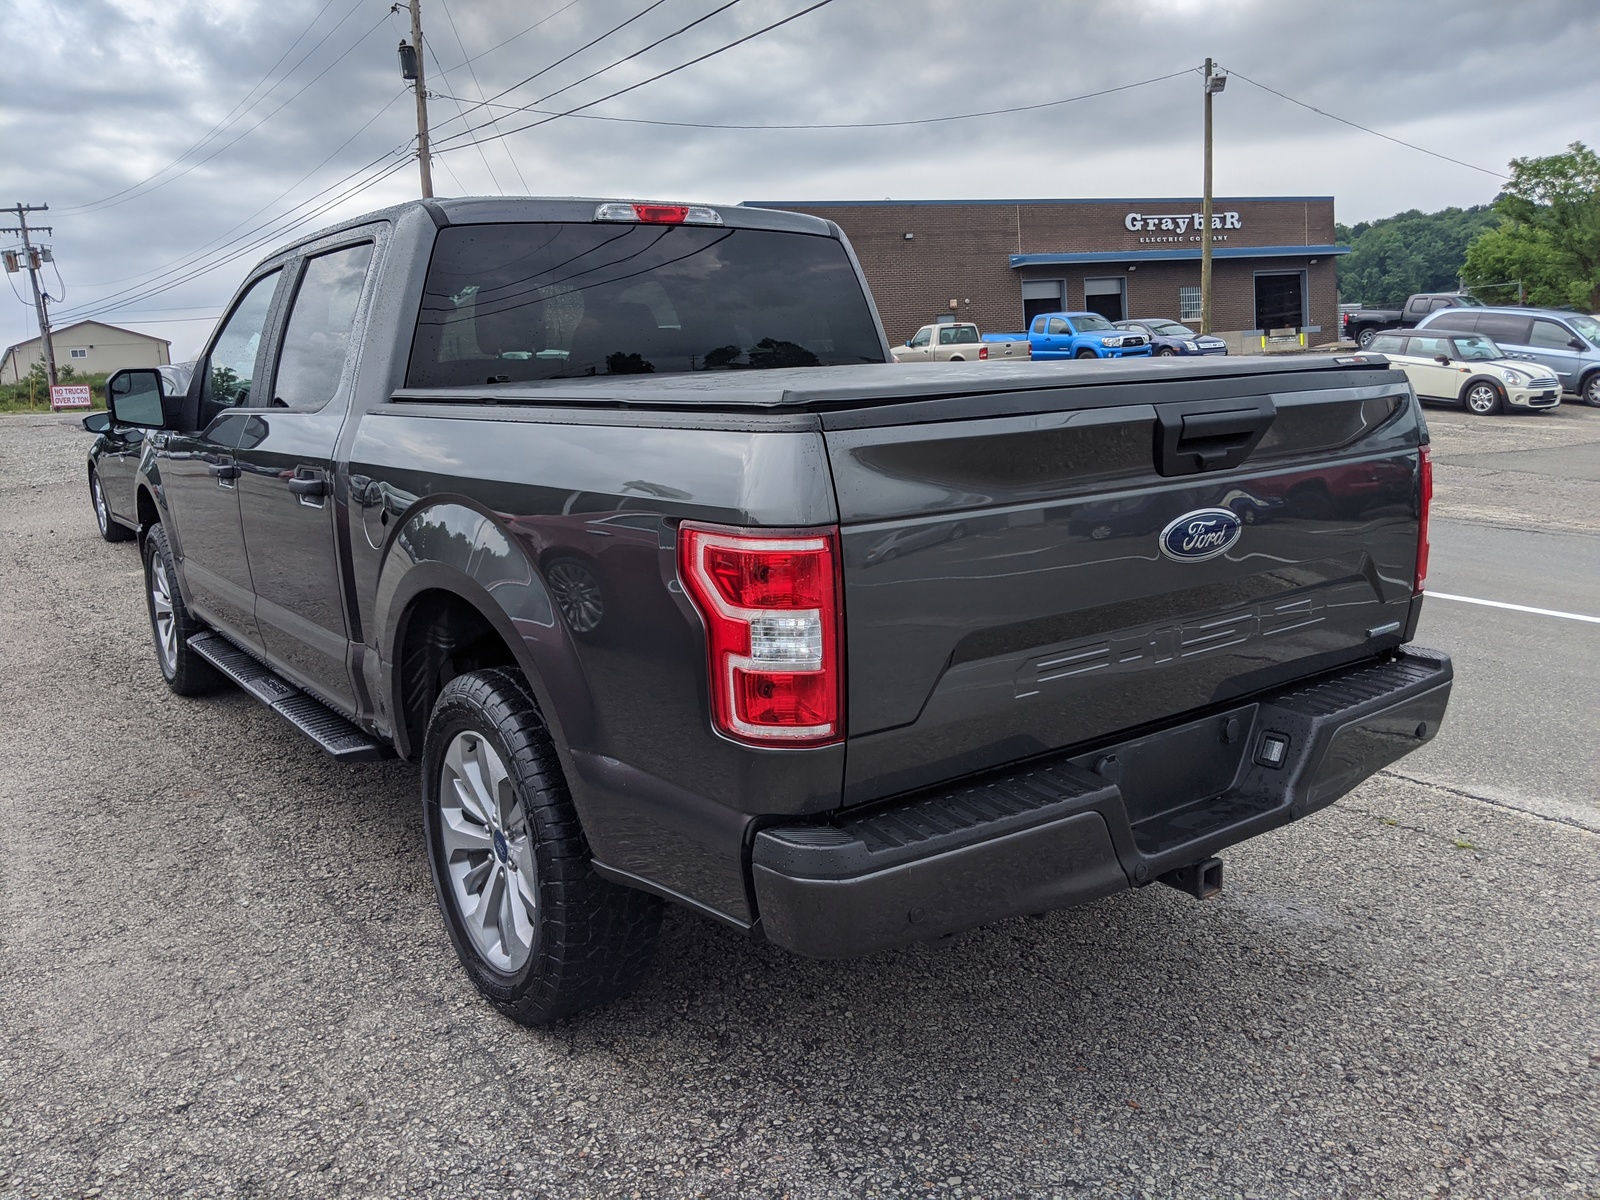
[958, 341]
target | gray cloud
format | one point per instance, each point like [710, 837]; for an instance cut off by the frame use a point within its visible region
[116, 89]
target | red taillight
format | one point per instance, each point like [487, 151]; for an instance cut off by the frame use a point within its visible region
[661, 214]
[771, 607]
[983, 352]
[1426, 481]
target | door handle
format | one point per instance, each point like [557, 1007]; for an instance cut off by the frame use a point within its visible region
[225, 470]
[309, 487]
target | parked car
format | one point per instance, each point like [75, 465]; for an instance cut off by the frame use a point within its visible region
[957, 341]
[1169, 337]
[1361, 324]
[114, 456]
[1467, 369]
[1077, 335]
[1566, 343]
[538, 494]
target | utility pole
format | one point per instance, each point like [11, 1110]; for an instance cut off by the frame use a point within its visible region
[415, 73]
[1214, 83]
[39, 297]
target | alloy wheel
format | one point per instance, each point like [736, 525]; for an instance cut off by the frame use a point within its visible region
[163, 616]
[98, 495]
[1483, 399]
[488, 855]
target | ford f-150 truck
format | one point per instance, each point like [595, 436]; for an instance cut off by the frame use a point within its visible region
[958, 341]
[1361, 325]
[587, 508]
[1077, 335]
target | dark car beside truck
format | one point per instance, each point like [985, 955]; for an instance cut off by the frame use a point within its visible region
[583, 506]
[1361, 325]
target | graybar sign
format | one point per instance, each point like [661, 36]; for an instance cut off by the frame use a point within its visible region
[1178, 222]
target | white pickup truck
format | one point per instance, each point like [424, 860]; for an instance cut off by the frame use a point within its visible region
[957, 341]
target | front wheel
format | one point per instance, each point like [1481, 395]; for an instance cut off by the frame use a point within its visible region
[1165, 352]
[171, 623]
[1483, 399]
[540, 934]
[1590, 390]
[110, 530]
[1085, 353]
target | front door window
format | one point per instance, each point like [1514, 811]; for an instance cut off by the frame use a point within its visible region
[231, 369]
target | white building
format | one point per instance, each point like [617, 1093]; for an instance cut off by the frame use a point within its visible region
[89, 348]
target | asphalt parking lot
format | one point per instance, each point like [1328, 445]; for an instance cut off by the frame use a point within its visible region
[222, 973]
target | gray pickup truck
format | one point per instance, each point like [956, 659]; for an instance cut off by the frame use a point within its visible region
[612, 517]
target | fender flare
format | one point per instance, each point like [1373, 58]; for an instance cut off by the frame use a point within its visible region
[453, 545]
[1499, 385]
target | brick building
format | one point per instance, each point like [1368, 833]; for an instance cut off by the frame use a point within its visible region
[998, 262]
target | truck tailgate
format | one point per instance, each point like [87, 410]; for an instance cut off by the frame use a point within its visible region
[1006, 588]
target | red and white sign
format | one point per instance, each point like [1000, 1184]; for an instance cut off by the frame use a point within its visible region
[72, 395]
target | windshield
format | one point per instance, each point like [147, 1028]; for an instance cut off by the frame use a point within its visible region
[1588, 326]
[1170, 329]
[1465, 301]
[1092, 323]
[1477, 348]
[513, 303]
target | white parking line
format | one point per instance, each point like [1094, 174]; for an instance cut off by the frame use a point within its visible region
[1542, 612]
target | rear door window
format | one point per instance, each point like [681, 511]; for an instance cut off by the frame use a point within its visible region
[531, 301]
[317, 340]
[1455, 319]
[1547, 335]
[1505, 328]
[1388, 343]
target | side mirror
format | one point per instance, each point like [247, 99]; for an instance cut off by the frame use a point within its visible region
[1577, 344]
[1442, 359]
[908, 341]
[97, 422]
[134, 397]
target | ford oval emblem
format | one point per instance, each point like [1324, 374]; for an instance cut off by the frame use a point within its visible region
[1202, 534]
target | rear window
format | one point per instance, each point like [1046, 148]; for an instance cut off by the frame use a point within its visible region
[530, 301]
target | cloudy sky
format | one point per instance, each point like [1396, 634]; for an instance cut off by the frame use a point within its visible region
[177, 141]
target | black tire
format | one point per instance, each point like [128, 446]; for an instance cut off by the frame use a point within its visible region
[1483, 399]
[588, 940]
[185, 671]
[1589, 390]
[1086, 353]
[1165, 352]
[1364, 338]
[110, 529]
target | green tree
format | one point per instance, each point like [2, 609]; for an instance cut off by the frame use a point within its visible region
[1409, 252]
[1549, 231]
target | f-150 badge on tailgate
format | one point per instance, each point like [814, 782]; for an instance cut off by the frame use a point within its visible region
[1199, 535]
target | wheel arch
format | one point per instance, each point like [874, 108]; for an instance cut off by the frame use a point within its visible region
[1473, 380]
[458, 592]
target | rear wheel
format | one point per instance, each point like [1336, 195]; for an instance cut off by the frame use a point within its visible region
[540, 934]
[171, 623]
[109, 529]
[1085, 353]
[1364, 338]
[1483, 398]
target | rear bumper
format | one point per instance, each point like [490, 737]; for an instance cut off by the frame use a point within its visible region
[1067, 830]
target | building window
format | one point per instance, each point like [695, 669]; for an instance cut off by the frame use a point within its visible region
[1188, 304]
[77, 353]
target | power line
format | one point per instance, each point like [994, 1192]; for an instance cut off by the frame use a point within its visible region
[637, 53]
[1364, 129]
[969, 116]
[643, 82]
[655, 4]
[237, 113]
[515, 36]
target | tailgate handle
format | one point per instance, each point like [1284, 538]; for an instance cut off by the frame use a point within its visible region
[1210, 435]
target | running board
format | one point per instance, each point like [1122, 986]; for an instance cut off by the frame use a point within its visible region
[343, 740]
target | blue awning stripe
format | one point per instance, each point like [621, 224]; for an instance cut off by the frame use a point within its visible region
[1175, 254]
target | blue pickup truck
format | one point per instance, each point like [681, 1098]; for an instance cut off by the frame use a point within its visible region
[1077, 335]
